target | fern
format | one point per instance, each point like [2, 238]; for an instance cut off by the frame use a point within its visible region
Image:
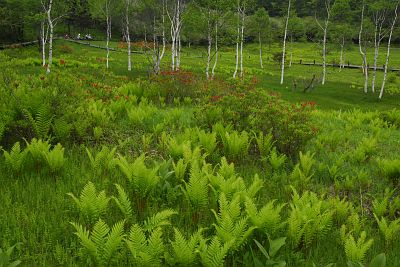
[264, 143]
[92, 204]
[180, 169]
[15, 158]
[391, 169]
[214, 253]
[268, 218]
[308, 220]
[226, 170]
[342, 209]
[123, 202]
[301, 173]
[159, 219]
[390, 230]
[184, 250]
[55, 158]
[356, 250]
[145, 251]
[38, 149]
[142, 179]
[102, 243]
[103, 161]
[196, 189]
[208, 141]
[275, 160]
[41, 121]
[236, 145]
[230, 225]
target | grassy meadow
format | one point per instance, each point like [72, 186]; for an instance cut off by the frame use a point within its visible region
[115, 168]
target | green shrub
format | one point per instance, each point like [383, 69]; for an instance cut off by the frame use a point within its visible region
[256, 110]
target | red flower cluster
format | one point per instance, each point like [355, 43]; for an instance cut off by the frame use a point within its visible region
[216, 98]
[311, 104]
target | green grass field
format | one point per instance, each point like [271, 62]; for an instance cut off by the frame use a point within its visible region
[188, 159]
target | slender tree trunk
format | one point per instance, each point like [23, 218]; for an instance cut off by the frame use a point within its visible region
[43, 41]
[363, 53]
[108, 36]
[324, 52]
[209, 45]
[216, 51]
[127, 35]
[341, 63]
[51, 29]
[178, 61]
[237, 55]
[284, 43]
[241, 46]
[388, 52]
[261, 52]
[237, 43]
[160, 56]
[379, 21]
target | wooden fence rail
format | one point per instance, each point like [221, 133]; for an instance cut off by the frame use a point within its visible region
[347, 66]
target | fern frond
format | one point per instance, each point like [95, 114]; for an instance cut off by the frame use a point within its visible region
[213, 254]
[123, 202]
[159, 219]
[91, 204]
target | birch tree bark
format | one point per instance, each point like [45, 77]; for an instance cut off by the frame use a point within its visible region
[325, 30]
[379, 20]
[209, 44]
[43, 40]
[284, 43]
[127, 34]
[362, 52]
[388, 50]
[108, 20]
[237, 40]
[51, 31]
[216, 51]
[243, 13]
[176, 26]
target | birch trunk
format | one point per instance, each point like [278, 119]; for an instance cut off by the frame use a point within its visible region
[324, 52]
[284, 43]
[363, 54]
[51, 29]
[43, 41]
[379, 21]
[388, 52]
[241, 43]
[216, 51]
[237, 54]
[209, 46]
[108, 36]
[127, 35]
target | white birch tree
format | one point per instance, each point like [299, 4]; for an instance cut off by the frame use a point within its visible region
[104, 9]
[324, 27]
[363, 50]
[379, 13]
[284, 42]
[393, 24]
[176, 27]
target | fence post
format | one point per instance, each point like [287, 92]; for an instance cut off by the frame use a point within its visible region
[301, 61]
[314, 61]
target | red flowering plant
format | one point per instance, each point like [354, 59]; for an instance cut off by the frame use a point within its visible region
[251, 109]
